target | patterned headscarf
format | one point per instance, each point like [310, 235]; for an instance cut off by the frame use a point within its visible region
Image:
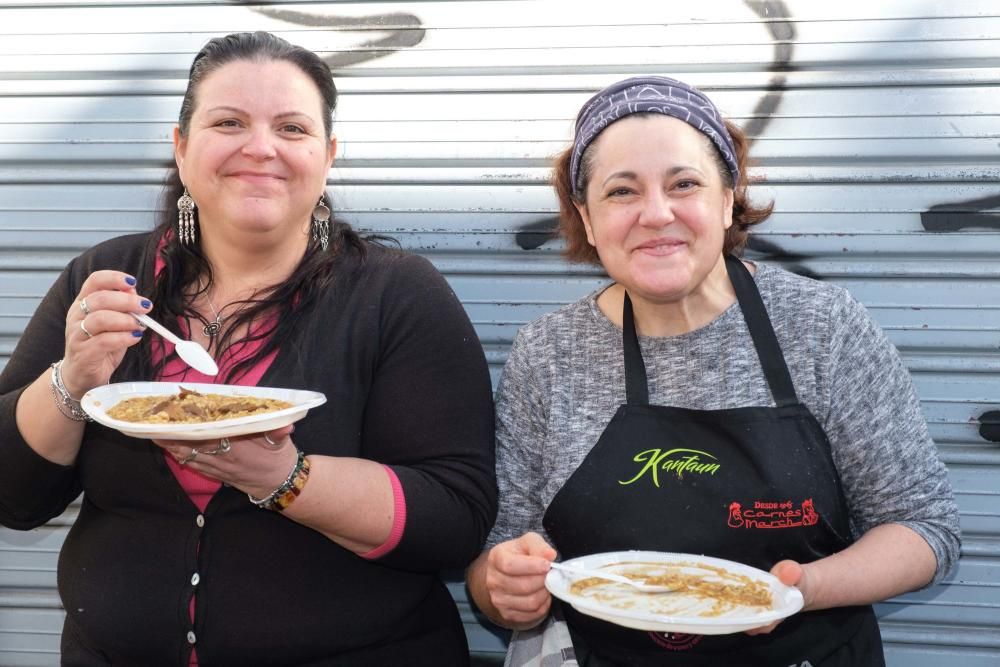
[651, 94]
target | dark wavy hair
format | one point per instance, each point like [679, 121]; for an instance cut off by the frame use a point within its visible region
[578, 249]
[187, 273]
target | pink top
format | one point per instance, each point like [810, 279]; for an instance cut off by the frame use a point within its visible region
[199, 488]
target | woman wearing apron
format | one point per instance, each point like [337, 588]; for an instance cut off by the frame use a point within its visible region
[706, 405]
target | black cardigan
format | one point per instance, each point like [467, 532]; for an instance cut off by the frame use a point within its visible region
[407, 385]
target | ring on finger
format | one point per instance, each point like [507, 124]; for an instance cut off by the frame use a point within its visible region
[271, 444]
[190, 457]
[84, 307]
[224, 448]
[84, 330]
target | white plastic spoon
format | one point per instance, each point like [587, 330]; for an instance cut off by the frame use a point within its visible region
[190, 352]
[638, 585]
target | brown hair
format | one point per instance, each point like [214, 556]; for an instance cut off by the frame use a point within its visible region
[578, 249]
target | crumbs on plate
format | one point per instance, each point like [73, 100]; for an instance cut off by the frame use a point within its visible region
[724, 591]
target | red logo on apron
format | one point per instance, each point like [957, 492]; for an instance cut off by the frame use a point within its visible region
[766, 514]
[675, 641]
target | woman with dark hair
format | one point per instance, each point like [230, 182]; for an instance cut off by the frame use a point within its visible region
[168, 562]
[661, 412]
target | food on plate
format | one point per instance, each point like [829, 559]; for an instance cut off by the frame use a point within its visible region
[691, 585]
[192, 407]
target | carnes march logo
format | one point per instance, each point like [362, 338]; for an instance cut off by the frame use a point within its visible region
[678, 461]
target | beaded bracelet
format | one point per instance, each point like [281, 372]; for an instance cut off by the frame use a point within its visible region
[68, 406]
[284, 495]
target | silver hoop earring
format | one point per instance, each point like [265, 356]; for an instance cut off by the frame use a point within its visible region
[185, 218]
[321, 224]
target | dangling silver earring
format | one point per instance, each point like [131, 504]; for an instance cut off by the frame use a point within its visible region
[321, 224]
[185, 218]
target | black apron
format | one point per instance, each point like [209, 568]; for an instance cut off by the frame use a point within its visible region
[755, 485]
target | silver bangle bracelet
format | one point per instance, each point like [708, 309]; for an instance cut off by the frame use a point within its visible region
[270, 501]
[68, 406]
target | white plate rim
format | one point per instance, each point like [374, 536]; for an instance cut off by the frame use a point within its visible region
[556, 581]
[93, 403]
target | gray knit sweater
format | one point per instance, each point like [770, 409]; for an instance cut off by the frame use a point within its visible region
[565, 379]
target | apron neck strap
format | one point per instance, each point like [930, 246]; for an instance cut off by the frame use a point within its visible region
[768, 351]
[772, 361]
[636, 389]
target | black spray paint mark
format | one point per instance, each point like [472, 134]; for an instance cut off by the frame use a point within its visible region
[404, 31]
[775, 15]
[956, 216]
[535, 233]
[989, 425]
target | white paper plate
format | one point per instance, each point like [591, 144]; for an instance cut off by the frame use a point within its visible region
[97, 401]
[669, 612]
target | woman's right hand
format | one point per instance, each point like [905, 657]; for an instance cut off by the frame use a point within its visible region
[515, 579]
[94, 350]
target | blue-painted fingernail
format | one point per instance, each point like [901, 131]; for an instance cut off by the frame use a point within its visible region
[130, 280]
[137, 334]
[145, 303]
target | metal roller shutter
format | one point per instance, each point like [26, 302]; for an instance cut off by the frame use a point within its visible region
[875, 129]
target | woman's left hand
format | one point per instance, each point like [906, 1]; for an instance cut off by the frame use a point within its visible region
[256, 464]
[886, 561]
[789, 573]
